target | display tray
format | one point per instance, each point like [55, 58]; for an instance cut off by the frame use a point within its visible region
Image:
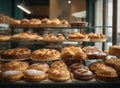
[39, 25]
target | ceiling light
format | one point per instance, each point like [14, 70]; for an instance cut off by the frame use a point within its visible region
[24, 8]
[69, 1]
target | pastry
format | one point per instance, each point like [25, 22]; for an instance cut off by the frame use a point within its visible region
[79, 24]
[94, 53]
[107, 74]
[34, 75]
[46, 21]
[64, 21]
[96, 66]
[96, 37]
[34, 21]
[39, 66]
[55, 21]
[76, 66]
[12, 75]
[15, 65]
[58, 65]
[58, 75]
[24, 21]
[53, 37]
[114, 50]
[78, 36]
[45, 54]
[83, 74]
[26, 36]
[58, 72]
[4, 37]
[73, 52]
[16, 53]
[113, 62]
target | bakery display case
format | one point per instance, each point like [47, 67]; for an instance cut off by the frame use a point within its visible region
[55, 56]
[40, 53]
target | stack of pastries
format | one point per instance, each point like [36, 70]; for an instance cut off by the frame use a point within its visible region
[13, 71]
[81, 72]
[58, 72]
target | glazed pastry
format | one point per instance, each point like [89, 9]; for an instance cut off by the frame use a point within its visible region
[76, 66]
[34, 75]
[94, 53]
[45, 54]
[15, 65]
[39, 66]
[106, 74]
[83, 74]
[12, 75]
[16, 53]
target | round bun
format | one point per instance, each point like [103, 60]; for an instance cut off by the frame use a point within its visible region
[34, 75]
[39, 66]
[12, 75]
[34, 21]
[45, 54]
[15, 65]
[4, 37]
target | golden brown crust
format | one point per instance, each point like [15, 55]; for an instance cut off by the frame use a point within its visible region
[16, 53]
[77, 36]
[4, 37]
[45, 54]
[114, 50]
[96, 66]
[113, 62]
[12, 75]
[58, 72]
[107, 74]
[39, 66]
[15, 65]
[34, 75]
[26, 36]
